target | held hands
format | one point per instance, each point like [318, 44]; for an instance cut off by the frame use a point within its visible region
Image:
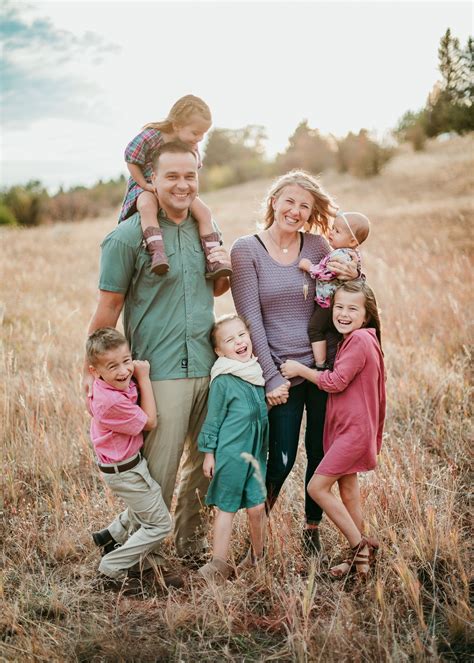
[279, 396]
[149, 187]
[208, 465]
[291, 368]
[141, 369]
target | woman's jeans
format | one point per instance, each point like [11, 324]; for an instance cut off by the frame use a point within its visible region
[285, 424]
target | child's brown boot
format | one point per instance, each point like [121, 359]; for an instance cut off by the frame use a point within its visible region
[156, 248]
[217, 571]
[214, 270]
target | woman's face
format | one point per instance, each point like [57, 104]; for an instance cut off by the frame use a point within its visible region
[292, 208]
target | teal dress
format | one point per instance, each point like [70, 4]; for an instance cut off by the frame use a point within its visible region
[236, 424]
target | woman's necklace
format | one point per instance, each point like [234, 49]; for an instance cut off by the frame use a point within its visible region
[283, 249]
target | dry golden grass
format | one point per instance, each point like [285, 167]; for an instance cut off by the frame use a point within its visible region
[414, 607]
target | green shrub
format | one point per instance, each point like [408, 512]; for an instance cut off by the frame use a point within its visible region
[7, 218]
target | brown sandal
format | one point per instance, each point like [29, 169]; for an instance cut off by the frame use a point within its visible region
[358, 562]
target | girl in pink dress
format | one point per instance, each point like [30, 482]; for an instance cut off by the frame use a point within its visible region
[354, 417]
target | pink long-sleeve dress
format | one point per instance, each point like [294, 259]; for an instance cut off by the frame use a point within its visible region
[356, 406]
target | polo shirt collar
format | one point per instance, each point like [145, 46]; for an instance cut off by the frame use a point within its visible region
[163, 217]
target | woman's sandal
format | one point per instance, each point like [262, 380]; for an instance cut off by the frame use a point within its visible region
[358, 562]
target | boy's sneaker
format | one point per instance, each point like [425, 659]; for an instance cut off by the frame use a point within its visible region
[214, 270]
[104, 540]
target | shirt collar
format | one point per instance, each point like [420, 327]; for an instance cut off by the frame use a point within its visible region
[163, 217]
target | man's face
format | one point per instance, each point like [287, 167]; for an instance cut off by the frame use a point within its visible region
[176, 181]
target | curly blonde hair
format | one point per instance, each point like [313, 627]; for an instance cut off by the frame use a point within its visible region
[181, 112]
[324, 208]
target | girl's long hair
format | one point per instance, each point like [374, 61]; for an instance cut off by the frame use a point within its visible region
[371, 308]
[181, 112]
[324, 208]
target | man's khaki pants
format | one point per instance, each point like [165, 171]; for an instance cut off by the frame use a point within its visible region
[146, 510]
[181, 407]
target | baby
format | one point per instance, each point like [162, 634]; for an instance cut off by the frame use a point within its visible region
[348, 232]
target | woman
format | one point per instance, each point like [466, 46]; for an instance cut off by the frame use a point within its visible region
[277, 298]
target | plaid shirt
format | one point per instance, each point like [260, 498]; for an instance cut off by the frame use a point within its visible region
[139, 151]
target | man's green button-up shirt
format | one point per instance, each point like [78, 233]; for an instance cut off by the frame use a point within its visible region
[167, 319]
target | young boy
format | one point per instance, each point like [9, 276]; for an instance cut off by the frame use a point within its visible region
[116, 434]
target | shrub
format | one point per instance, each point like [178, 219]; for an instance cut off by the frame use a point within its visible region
[7, 218]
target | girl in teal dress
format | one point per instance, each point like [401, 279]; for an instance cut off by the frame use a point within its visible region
[234, 439]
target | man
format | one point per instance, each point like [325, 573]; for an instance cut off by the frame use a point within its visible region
[167, 320]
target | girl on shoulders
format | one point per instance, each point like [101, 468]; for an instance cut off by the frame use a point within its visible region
[188, 121]
[234, 439]
[354, 417]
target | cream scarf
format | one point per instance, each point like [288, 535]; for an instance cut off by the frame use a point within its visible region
[250, 370]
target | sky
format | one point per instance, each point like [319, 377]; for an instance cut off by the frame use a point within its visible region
[79, 79]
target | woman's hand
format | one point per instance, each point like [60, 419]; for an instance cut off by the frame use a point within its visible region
[345, 271]
[209, 465]
[291, 368]
[150, 188]
[279, 396]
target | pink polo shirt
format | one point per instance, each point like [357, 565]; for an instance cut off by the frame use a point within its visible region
[117, 422]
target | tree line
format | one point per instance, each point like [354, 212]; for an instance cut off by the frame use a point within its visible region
[234, 156]
[450, 104]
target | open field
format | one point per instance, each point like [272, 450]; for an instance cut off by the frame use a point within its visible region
[414, 607]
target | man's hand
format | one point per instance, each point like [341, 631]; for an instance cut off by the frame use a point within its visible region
[279, 396]
[209, 465]
[219, 254]
[291, 368]
[141, 369]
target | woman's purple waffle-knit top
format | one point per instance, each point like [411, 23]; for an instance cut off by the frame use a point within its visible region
[271, 297]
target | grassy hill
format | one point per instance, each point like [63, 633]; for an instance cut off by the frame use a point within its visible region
[415, 605]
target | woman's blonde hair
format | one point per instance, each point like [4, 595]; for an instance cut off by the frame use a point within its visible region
[324, 208]
[181, 112]
[371, 308]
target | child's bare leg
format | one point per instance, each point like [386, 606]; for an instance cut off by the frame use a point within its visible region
[350, 496]
[222, 533]
[319, 352]
[209, 239]
[257, 522]
[203, 216]
[217, 570]
[147, 205]
[319, 489]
